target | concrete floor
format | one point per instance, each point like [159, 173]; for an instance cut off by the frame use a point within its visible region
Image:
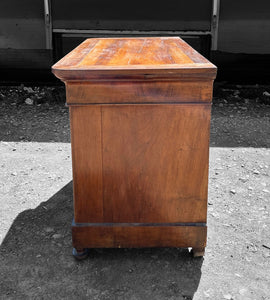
[36, 213]
[36, 209]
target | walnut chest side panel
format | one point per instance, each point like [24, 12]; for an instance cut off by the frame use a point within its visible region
[140, 163]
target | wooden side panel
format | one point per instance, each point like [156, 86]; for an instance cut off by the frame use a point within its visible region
[155, 163]
[139, 236]
[138, 91]
[87, 163]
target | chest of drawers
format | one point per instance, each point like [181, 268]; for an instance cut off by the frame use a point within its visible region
[140, 118]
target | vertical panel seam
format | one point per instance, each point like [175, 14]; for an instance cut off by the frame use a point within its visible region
[73, 161]
[102, 170]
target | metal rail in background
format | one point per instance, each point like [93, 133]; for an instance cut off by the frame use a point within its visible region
[84, 32]
[48, 23]
[214, 24]
[213, 32]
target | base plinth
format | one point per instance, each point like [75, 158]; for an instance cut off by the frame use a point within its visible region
[138, 235]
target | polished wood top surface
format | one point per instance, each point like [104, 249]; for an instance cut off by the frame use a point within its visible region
[166, 56]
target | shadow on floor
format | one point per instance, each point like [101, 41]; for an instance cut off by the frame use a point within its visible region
[36, 262]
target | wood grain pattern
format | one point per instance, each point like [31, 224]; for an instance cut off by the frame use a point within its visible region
[134, 236]
[135, 163]
[128, 52]
[155, 163]
[97, 58]
[138, 92]
[87, 163]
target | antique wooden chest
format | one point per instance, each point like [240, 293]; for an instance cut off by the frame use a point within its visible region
[140, 117]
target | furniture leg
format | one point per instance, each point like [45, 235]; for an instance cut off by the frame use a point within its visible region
[198, 252]
[80, 254]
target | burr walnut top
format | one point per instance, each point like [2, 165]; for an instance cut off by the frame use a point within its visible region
[136, 58]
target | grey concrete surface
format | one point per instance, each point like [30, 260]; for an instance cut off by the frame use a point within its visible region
[36, 213]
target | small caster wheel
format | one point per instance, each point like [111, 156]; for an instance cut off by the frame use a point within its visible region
[198, 252]
[80, 254]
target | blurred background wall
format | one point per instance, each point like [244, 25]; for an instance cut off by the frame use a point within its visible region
[235, 35]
